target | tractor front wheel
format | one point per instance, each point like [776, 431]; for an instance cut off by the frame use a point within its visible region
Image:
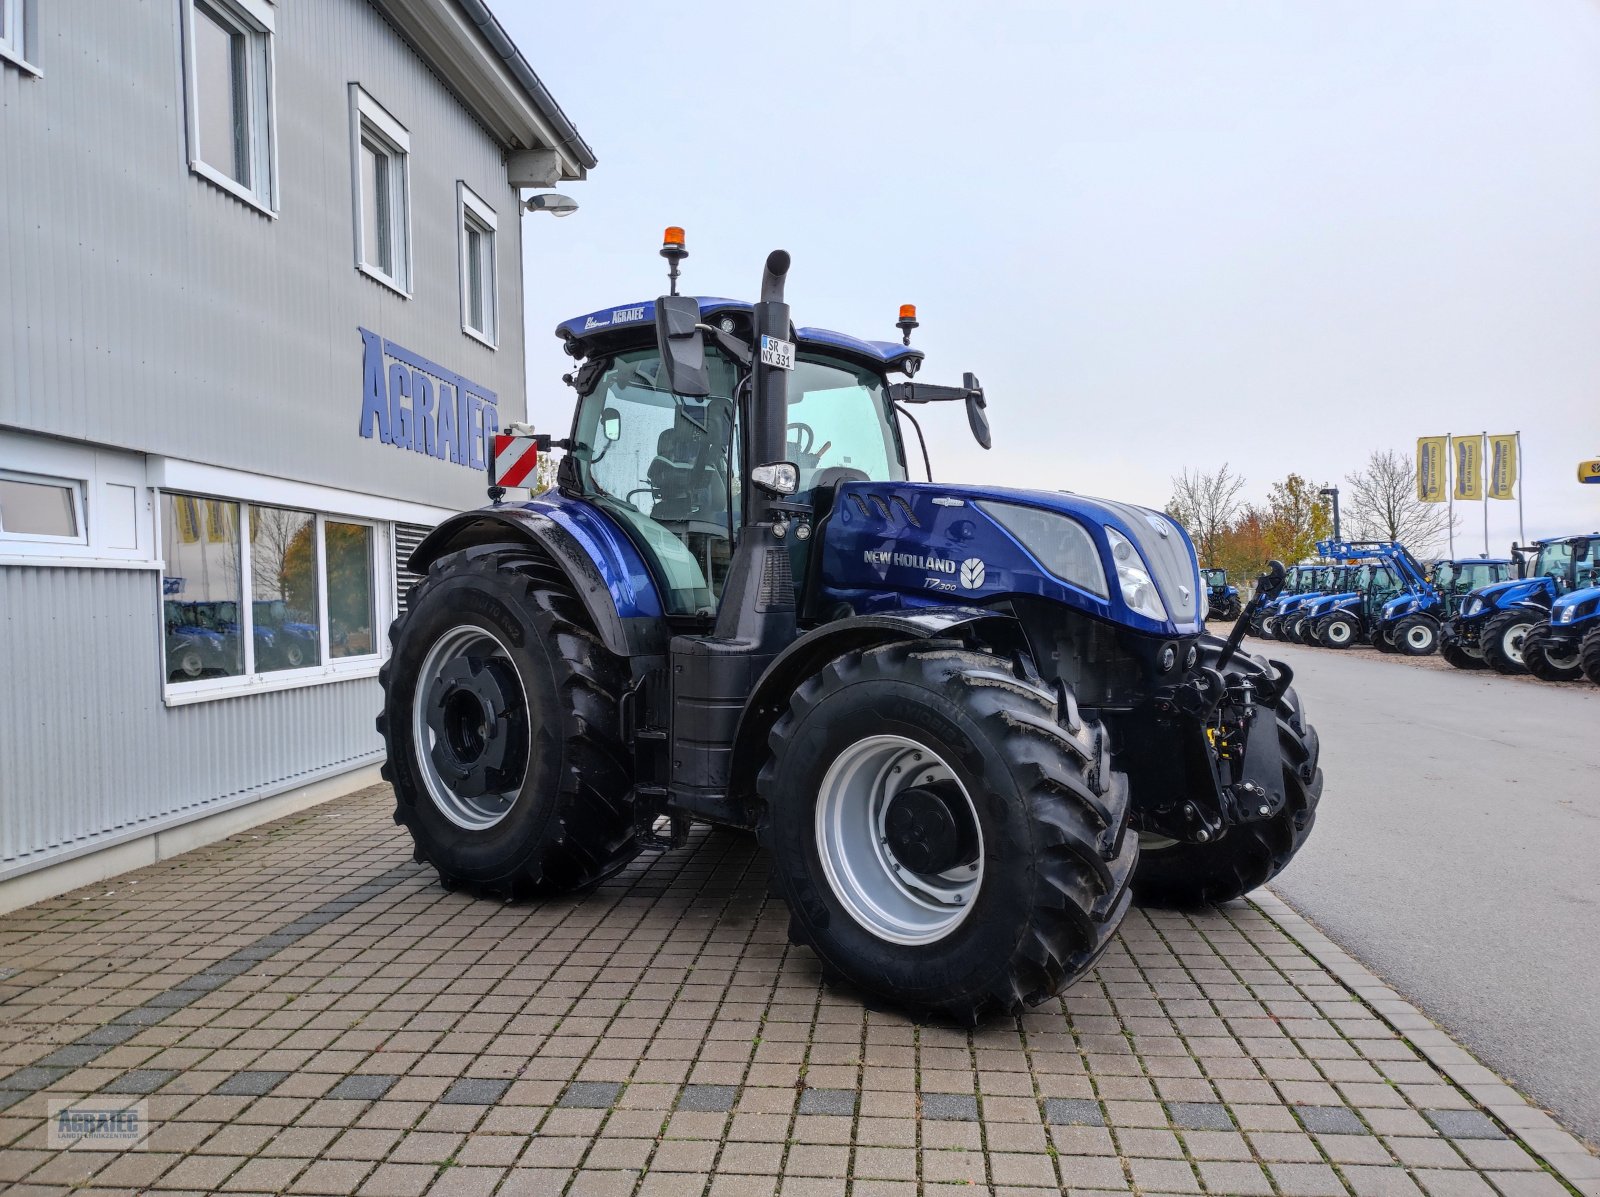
[1337, 630]
[500, 716]
[1416, 636]
[1383, 641]
[1457, 654]
[945, 834]
[1589, 655]
[1545, 661]
[1502, 639]
[1269, 627]
[1188, 875]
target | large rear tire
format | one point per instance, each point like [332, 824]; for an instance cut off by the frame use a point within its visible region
[942, 835]
[1455, 653]
[1185, 876]
[1541, 659]
[1502, 639]
[500, 717]
[1589, 655]
[1416, 636]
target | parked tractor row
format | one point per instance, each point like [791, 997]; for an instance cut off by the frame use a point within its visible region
[1536, 612]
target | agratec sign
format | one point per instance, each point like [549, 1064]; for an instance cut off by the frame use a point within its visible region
[412, 403]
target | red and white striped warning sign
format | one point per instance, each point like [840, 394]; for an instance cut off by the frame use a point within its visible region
[515, 459]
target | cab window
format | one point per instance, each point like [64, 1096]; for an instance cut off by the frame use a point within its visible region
[839, 426]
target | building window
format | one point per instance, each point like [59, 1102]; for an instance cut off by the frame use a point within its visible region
[17, 32]
[311, 581]
[41, 509]
[478, 287]
[380, 155]
[229, 97]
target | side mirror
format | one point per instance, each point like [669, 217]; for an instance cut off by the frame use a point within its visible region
[682, 345]
[611, 424]
[977, 418]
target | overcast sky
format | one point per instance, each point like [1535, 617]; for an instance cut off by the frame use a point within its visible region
[1164, 234]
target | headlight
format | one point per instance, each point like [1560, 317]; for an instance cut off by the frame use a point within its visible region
[1471, 606]
[1408, 608]
[1565, 614]
[1133, 577]
[1062, 545]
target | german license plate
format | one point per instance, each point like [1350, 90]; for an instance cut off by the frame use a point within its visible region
[777, 353]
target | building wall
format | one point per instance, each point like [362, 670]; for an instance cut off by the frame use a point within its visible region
[143, 307]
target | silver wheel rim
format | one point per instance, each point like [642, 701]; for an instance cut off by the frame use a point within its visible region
[1574, 661]
[1511, 641]
[1419, 637]
[474, 812]
[1339, 632]
[880, 893]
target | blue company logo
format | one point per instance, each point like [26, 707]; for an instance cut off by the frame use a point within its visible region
[412, 403]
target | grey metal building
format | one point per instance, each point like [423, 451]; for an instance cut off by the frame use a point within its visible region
[260, 310]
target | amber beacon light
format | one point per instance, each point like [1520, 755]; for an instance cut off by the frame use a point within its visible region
[907, 321]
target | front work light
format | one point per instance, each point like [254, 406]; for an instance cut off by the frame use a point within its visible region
[777, 477]
[1133, 576]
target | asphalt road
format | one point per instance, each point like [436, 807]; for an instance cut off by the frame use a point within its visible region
[1457, 854]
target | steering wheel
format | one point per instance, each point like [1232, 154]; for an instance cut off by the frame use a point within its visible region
[810, 436]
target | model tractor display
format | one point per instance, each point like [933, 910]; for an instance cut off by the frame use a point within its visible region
[1493, 622]
[966, 722]
[1412, 623]
[1386, 571]
[1222, 600]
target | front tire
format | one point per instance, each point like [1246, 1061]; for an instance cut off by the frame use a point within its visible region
[1502, 639]
[1544, 663]
[1589, 655]
[1337, 631]
[1186, 876]
[1416, 636]
[1455, 653]
[872, 749]
[500, 717]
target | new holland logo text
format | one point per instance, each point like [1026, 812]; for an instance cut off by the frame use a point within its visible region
[970, 573]
[910, 561]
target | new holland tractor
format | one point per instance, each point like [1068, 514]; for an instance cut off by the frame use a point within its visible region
[1387, 571]
[1222, 599]
[1301, 580]
[967, 723]
[1493, 622]
[1411, 623]
[1567, 646]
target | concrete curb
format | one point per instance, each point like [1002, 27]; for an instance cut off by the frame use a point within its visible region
[1564, 1153]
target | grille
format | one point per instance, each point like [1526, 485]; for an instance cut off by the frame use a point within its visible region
[406, 539]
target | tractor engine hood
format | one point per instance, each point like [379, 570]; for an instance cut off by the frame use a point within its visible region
[1580, 604]
[1503, 594]
[937, 543]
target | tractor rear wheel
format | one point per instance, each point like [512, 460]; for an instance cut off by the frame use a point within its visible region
[945, 834]
[1338, 630]
[501, 720]
[1589, 655]
[1186, 875]
[1547, 664]
[1502, 639]
[1416, 636]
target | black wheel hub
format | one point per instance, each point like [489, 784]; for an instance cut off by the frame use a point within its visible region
[479, 727]
[929, 829]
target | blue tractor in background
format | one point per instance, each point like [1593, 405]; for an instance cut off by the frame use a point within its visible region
[966, 722]
[1567, 646]
[1222, 598]
[1301, 580]
[1411, 623]
[1493, 622]
[1387, 571]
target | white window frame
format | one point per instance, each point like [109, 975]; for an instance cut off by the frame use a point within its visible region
[73, 486]
[111, 498]
[471, 209]
[254, 20]
[370, 120]
[328, 669]
[17, 19]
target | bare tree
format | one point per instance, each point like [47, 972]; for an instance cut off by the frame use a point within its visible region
[1206, 505]
[1382, 504]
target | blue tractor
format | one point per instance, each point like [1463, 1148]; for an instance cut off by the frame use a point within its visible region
[1411, 623]
[1222, 598]
[1493, 622]
[1386, 571]
[1567, 646]
[1301, 580]
[966, 722]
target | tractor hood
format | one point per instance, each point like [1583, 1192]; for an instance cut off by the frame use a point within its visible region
[889, 541]
[1402, 605]
[1504, 594]
[1580, 604]
[1326, 604]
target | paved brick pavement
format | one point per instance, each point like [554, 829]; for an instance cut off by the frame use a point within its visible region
[302, 1010]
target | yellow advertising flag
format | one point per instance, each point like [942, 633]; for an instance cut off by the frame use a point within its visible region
[1503, 466]
[1432, 458]
[1469, 467]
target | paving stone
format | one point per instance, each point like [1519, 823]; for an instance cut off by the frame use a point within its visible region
[1073, 1111]
[590, 1095]
[140, 1080]
[710, 1099]
[365, 1086]
[1464, 1124]
[475, 1091]
[1199, 1115]
[828, 1101]
[250, 1084]
[950, 1107]
[1330, 1120]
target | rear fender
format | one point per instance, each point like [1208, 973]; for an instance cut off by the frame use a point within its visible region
[606, 571]
[856, 634]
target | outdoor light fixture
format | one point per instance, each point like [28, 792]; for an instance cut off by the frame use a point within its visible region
[1332, 492]
[552, 202]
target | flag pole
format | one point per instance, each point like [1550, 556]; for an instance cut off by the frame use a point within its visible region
[1449, 488]
[1483, 448]
[1522, 533]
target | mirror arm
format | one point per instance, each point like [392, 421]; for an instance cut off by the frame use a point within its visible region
[730, 344]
